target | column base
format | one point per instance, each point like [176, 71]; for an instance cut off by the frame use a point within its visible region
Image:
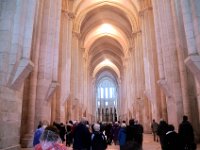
[27, 141]
[193, 63]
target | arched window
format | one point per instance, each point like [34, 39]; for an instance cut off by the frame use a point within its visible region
[106, 98]
[106, 89]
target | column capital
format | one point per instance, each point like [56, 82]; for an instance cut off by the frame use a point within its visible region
[76, 34]
[68, 14]
[131, 49]
[134, 34]
[71, 15]
[142, 11]
[85, 55]
[125, 62]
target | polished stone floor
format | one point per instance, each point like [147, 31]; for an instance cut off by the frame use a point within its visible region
[148, 144]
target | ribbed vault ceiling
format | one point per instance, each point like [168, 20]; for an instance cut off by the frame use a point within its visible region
[105, 27]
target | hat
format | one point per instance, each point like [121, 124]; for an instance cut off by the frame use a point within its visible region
[96, 127]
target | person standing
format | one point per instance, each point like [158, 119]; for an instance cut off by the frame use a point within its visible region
[162, 130]
[115, 132]
[154, 128]
[138, 136]
[98, 139]
[122, 136]
[172, 140]
[186, 134]
[38, 132]
[68, 130]
[82, 136]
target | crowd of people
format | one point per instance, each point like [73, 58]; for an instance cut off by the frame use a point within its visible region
[172, 140]
[83, 136]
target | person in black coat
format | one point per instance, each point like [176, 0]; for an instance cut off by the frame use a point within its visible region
[98, 139]
[130, 135]
[186, 134]
[68, 130]
[171, 140]
[138, 136]
[162, 130]
[82, 136]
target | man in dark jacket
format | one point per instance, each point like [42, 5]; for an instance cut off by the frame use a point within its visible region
[172, 140]
[82, 140]
[162, 130]
[138, 136]
[186, 134]
[98, 139]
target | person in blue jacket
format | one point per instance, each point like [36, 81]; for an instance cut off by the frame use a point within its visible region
[38, 132]
[122, 136]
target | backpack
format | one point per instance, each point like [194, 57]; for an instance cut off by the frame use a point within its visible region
[98, 141]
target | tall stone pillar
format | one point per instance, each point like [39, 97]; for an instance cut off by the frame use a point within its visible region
[30, 126]
[185, 75]
[85, 77]
[131, 72]
[63, 91]
[140, 78]
[48, 59]
[160, 60]
[170, 84]
[75, 74]
[190, 13]
[152, 91]
[16, 29]
[123, 101]
[191, 23]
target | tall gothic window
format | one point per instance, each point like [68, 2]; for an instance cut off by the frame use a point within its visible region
[106, 89]
[106, 98]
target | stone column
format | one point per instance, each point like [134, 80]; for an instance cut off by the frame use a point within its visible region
[123, 101]
[81, 76]
[150, 60]
[139, 77]
[64, 62]
[66, 42]
[54, 113]
[191, 25]
[160, 59]
[165, 35]
[30, 126]
[85, 77]
[69, 109]
[188, 25]
[48, 59]
[75, 71]
[93, 103]
[181, 45]
[16, 29]
[20, 64]
[125, 79]
[132, 72]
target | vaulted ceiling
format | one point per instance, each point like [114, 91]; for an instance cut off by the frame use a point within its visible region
[106, 27]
